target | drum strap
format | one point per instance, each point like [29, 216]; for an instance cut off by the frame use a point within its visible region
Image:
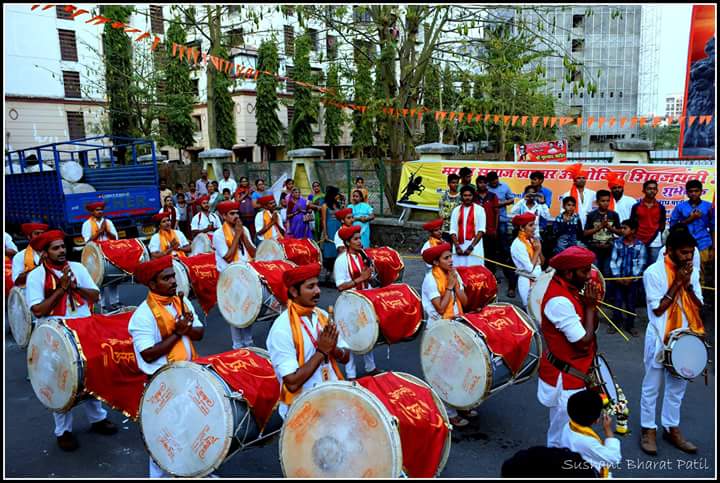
[563, 366]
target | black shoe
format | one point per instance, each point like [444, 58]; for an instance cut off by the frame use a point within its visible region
[105, 427]
[68, 442]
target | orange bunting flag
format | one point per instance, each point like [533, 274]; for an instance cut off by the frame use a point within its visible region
[228, 66]
[99, 19]
[239, 70]
[601, 121]
[257, 74]
[656, 120]
[546, 120]
[452, 116]
[682, 120]
[705, 119]
[143, 36]
[487, 118]
[461, 115]
[623, 120]
[496, 118]
[579, 121]
[420, 115]
[565, 120]
[591, 120]
[70, 8]
[175, 48]
[612, 121]
[553, 120]
[515, 119]
[156, 41]
[117, 25]
[692, 120]
[670, 119]
[215, 61]
[80, 12]
[633, 121]
[642, 121]
[405, 112]
[34, 7]
[506, 120]
[535, 119]
[412, 112]
[478, 117]
[523, 120]
[48, 6]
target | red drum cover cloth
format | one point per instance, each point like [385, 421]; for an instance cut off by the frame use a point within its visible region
[111, 371]
[398, 308]
[423, 431]
[124, 254]
[8, 276]
[272, 275]
[202, 270]
[252, 375]
[480, 286]
[388, 264]
[300, 251]
[505, 333]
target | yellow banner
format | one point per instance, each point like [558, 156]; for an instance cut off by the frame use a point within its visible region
[423, 182]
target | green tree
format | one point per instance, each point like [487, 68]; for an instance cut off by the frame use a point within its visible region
[334, 117]
[431, 101]
[362, 131]
[178, 96]
[269, 127]
[664, 137]
[224, 106]
[117, 57]
[449, 103]
[306, 107]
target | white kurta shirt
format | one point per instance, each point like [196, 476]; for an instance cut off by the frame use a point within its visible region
[623, 207]
[9, 243]
[35, 288]
[145, 334]
[154, 245]
[429, 292]
[201, 221]
[585, 205]
[540, 211]
[229, 183]
[260, 223]
[18, 262]
[341, 270]
[283, 354]
[521, 258]
[221, 249]
[599, 455]
[339, 243]
[87, 230]
[479, 226]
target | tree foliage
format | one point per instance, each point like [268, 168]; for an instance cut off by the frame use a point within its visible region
[305, 105]
[362, 130]
[334, 117]
[269, 127]
[117, 48]
[178, 96]
[431, 101]
[224, 107]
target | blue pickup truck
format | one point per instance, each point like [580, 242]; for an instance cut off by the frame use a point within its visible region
[36, 191]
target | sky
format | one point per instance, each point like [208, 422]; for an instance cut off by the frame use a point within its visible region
[674, 38]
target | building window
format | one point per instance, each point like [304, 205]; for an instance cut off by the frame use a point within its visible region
[289, 40]
[236, 37]
[156, 19]
[196, 87]
[602, 95]
[290, 114]
[578, 45]
[620, 94]
[581, 95]
[68, 45]
[62, 13]
[289, 85]
[364, 48]
[559, 95]
[331, 44]
[313, 39]
[578, 21]
[198, 123]
[71, 81]
[234, 9]
[611, 93]
[76, 125]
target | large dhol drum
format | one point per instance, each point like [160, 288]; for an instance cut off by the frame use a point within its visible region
[390, 314]
[113, 261]
[480, 286]
[389, 265]
[686, 354]
[540, 286]
[470, 358]
[376, 427]
[190, 412]
[248, 292]
[19, 317]
[70, 360]
[182, 278]
[300, 252]
[198, 275]
[202, 243]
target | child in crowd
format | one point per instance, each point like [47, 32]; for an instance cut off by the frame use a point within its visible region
[628, 260]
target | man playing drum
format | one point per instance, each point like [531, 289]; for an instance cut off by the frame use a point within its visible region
[467, 227]
[25, 261]
[434, 228]
[674, 299]
[97, 228]
[268, 224]
[164, 325]
[167, 241]
[353, 271]
[346, 218]
[304, 348]
[64, 289]
[233, 244]
[204, 221]
[569, 323]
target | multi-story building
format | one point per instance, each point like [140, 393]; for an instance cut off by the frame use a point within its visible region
[674, 105]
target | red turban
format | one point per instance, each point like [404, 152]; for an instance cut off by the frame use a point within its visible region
[298, 274]
[572, 258]
[524, 219]
[159, 217]
[576, 171]
[40, 243]
[615, 179]
[28, 228]
[199, 201]
[144, 272]
[95, 205]
[346, 232]
[341, 214]
[433, 253]
[266, 199]
[227, 206]
[433, 225]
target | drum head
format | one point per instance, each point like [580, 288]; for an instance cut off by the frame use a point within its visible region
[94, 260]
[181, 278]
[239, 295]
[201, 244]
[83, 188]
[186, 419]
[356, 318]
[19, 317]
[537, 293]
[456, 363]
[269, 250]
[339, 430]
[689, 355]
[53, 360]
[607, 378]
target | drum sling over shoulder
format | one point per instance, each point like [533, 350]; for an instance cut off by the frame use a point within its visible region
[563, 366]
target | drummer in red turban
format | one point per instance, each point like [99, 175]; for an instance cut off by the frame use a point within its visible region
[569, 322]
[98, 228]
[164, 326]
[434, 228]
[204, 221]
[168, 241]
[346, 218]
[584, 197]
[268, 224]
[26, 260]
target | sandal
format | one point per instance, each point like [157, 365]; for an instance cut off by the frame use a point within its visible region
[459, 422]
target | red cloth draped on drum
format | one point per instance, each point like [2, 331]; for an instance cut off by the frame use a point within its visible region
[480, 286]
[252, 375]
[111, 371]
[505, 332]
[399, 310]
[272, 275]
[202, 270]
[300, 251]
[423, 431]
[388, 264]
[124, 254]
[8, 276]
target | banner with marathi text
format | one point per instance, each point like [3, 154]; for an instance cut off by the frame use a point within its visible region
[423, 182]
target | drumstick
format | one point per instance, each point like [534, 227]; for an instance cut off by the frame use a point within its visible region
[613, 324]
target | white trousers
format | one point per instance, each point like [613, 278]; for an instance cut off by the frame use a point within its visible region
[241, 337]
[523, 287]
[93, 410]
[672, 397]
[470, 260]
[559, 418]
[369, 360]
[110, 295]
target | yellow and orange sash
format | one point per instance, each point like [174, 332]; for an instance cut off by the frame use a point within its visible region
[166, 324]
[435, 241]
[267, 217]
[588, 431]
[441, 278]
[166, 238]
[295, 311]
[522, 236]
[229, 235]
[29, 259]
[692, 311]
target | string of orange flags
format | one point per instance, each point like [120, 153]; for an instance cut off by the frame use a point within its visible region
[197, 57]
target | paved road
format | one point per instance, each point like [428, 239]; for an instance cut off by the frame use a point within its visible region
[509, 421]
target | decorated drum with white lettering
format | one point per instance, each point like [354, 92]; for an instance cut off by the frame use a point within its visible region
[299, 251]
[539, 287]
[685, 355]
[111, 261]
[19, 316]
[470, 358]
[389, 265]
[182, 278]
[480, 286]
[202, 243]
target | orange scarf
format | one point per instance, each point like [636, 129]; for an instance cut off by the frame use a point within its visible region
[692, 311]
[611, 207]
[229, 235]
[94, 228]
[295, 311]
[575, 194]
[166, 324]
[522, 236]
[435, 241]
[441, 278]
[166, 239]
[267, 217]
[29, 259]
[466, 231]
[588, 431]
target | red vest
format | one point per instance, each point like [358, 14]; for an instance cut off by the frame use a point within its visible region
[556, 342]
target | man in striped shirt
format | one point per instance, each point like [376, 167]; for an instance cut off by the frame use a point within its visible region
[628, 259]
